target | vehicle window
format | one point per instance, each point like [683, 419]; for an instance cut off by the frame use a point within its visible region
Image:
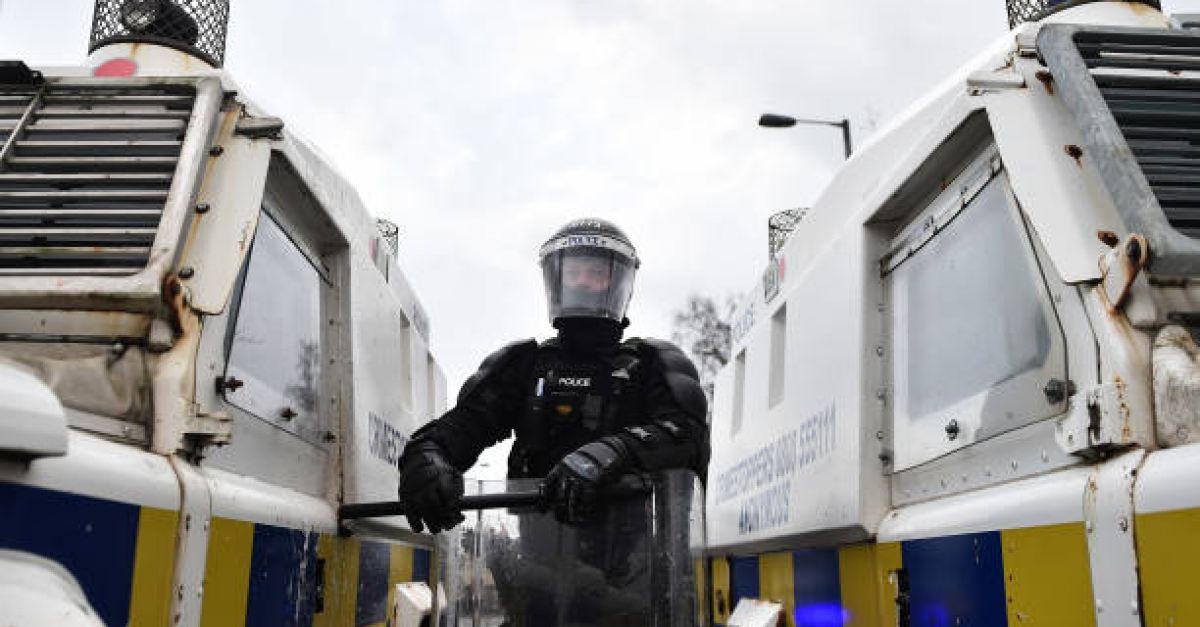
[739, 391]
[975, 337]
[974, 318]
[276, 344]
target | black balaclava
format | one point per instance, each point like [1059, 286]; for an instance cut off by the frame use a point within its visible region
[590, 337]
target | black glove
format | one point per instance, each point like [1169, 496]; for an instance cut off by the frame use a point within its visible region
[573, 485]
[430, 488]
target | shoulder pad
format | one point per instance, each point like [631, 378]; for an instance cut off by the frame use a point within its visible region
[670, 356]
[680, 374]
[497, 362]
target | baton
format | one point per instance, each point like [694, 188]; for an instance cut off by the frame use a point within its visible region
[473, 501]
[522, 498]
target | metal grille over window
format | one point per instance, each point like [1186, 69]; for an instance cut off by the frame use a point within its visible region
[1021, 11]
[84, 175]
[197, 27]
[780, 226]
[1152, 88]
[389, 233]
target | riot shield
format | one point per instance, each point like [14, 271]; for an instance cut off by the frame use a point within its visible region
[638, 563]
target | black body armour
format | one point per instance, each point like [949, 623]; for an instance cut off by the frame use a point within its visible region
[570, 402]
[643, 391]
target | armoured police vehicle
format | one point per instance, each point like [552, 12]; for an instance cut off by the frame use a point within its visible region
[967, 389]
[206, 345]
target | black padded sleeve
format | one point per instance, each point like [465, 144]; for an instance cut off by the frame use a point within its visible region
[488, 405]
[675, 431]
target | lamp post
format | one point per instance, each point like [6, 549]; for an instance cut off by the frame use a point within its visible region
[774, 120]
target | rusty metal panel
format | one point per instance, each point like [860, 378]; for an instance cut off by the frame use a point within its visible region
[1128, 91]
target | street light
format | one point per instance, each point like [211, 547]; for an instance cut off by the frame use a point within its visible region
[774, 120]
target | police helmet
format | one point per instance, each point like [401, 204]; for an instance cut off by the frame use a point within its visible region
[588, 266]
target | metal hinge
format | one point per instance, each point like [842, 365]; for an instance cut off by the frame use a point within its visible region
[903, 599]
[204, 429]
[1097, 420]
[259, 127]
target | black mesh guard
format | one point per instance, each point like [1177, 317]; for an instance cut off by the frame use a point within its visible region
[1021, 11]
[197, 27]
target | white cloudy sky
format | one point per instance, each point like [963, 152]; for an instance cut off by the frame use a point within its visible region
[479, 126]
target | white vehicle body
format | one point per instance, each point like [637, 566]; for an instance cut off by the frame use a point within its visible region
[967, 390]
[206, 346]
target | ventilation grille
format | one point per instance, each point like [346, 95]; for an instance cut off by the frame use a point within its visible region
[84, 176]
[1152, 87]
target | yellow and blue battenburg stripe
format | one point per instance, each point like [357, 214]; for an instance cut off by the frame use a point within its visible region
[1036, 576]
[123, 556]
[1168, 549]
[261, 575]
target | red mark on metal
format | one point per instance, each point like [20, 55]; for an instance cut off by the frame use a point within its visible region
[116, 67]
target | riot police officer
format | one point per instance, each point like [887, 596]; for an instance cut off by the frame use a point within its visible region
[586, 406]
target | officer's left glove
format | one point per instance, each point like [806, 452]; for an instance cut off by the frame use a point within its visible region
[573, 485]
[430, 488]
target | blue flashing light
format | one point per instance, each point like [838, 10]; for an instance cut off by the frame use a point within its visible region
[821, 615]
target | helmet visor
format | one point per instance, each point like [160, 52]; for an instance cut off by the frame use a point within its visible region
[587, 282]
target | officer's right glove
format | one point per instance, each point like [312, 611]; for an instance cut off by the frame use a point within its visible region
[430, 488]
[573, 485]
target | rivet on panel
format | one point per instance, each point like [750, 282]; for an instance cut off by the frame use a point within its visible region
[187, 272]
[202, 207]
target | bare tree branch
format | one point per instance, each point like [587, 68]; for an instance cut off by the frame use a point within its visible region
[702, 328]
